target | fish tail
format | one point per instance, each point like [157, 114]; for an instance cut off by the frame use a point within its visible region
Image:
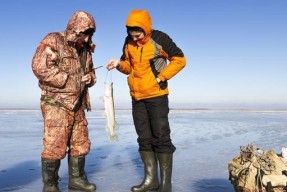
[114, 137]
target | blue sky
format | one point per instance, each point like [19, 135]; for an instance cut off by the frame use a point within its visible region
[236, 50]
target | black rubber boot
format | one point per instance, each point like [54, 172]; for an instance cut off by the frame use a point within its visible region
[165, 164]
[50, 169]
[77, 177]
[150, 181]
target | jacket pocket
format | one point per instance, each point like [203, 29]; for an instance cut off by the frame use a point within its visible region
[148, 85]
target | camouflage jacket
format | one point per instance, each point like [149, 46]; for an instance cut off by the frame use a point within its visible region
[57, 65]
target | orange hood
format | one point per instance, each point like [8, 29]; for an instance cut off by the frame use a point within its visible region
[140, 18]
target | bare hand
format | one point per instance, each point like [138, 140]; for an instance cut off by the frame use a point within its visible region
[113, 63]
[87, 79]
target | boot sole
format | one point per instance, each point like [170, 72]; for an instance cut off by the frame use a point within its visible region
[152, 190]
[78, 189]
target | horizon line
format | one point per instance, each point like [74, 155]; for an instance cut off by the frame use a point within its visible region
[171, 108]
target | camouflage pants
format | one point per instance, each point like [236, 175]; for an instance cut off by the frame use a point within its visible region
[64, 129]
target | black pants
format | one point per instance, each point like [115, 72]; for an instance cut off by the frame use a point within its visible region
[152, 126]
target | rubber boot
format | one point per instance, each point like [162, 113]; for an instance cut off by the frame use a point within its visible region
[77, 177]
[50, 169]
[165, 164]
[150, 181]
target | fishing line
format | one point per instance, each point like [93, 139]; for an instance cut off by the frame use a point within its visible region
[111, 76]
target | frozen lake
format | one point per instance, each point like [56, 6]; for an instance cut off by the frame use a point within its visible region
[205, 139]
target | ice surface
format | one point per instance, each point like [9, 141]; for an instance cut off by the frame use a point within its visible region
[206, 140]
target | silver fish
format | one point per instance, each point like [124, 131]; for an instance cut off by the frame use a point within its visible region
[112, 124]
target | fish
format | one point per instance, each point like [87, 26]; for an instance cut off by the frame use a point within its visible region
[111, 124]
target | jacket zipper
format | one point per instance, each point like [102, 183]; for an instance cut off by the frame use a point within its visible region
[141, 54]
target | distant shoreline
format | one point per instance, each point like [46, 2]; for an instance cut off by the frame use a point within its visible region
[172, 109]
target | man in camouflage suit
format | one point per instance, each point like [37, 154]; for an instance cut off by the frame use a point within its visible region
[63, 65]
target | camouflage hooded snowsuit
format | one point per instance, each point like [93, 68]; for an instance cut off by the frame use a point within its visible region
[59, 66]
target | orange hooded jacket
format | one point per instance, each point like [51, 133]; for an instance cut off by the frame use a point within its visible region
[145, 60]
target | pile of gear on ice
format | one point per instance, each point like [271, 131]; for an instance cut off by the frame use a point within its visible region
[258, 170]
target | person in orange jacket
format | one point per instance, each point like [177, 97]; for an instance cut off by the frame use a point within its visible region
[144, 59]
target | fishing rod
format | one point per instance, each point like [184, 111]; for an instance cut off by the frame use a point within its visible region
[97, 67]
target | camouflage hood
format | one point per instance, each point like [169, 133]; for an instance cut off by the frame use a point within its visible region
[79, 22]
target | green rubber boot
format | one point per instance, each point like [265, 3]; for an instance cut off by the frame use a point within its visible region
[150, 181]
[50, 169]
[77, 177]
[165, 164]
